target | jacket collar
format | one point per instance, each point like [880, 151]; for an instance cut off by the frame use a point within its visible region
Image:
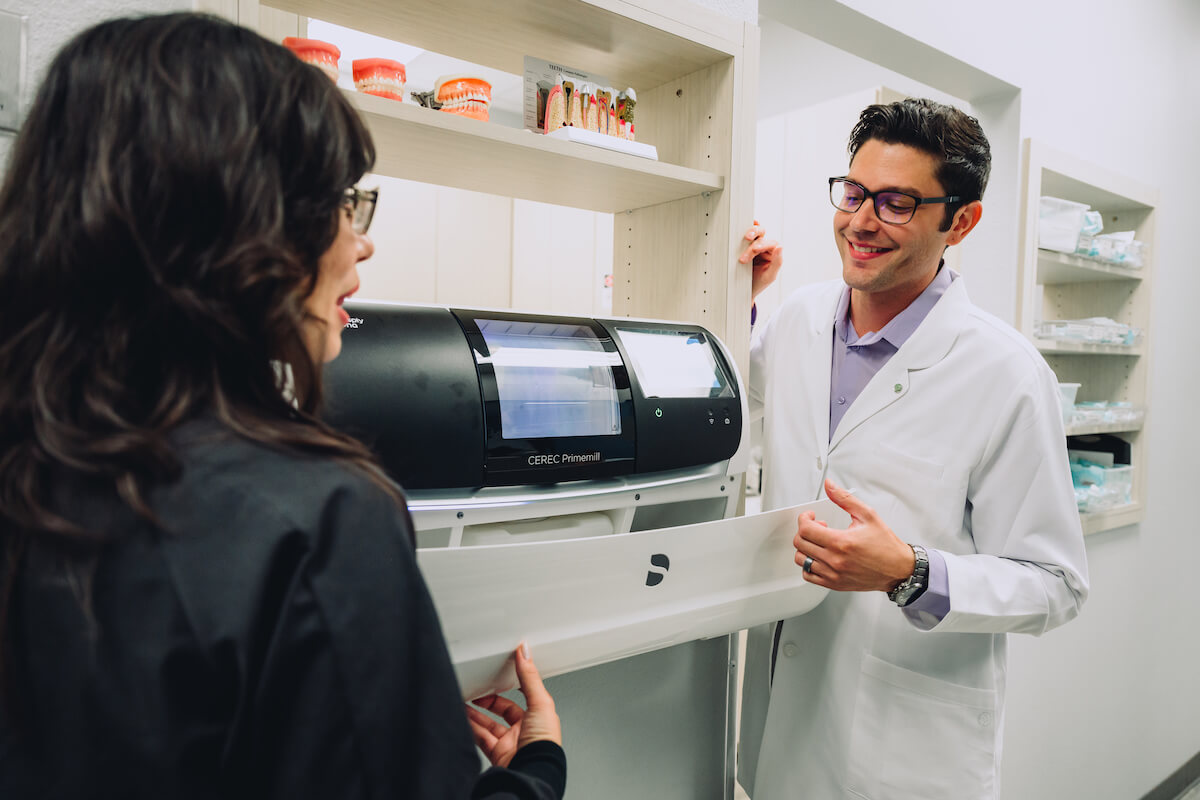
[928, 345]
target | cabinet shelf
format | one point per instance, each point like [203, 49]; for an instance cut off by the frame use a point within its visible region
[420, 144]
[1070, 288]
[1086, 428]
[1055, 268]
[627, 43]
[1061, 347]
[1119, 517]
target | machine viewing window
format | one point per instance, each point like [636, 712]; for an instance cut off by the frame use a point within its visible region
[675, 363]
[552, 380]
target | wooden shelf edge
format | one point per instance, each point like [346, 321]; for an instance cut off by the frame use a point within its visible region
[1104, 427]
[420, 144]
[1110, 519]
[1084, 269]
[1060, 348]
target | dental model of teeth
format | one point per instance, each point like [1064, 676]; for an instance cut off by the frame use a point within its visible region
[322, 55]
[380, 76]
[464, 95]
[593, 108]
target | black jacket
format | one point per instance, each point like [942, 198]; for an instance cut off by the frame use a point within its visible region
[276, 642]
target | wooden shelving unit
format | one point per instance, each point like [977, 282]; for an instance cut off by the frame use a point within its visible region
[1061, 286]
[677, 233]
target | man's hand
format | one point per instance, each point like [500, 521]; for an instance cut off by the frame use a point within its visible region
[865, 557]
[767, 257]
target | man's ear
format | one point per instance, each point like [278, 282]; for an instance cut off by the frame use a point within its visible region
[965, 219]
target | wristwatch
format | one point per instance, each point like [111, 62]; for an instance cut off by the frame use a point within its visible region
[914, 585]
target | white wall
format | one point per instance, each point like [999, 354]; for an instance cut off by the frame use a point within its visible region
[1105, 707]
[53, 22]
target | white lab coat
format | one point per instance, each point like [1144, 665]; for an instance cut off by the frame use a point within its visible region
[958, 444]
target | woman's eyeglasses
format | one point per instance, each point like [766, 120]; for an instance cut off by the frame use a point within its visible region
[361, 205]
[894, 208]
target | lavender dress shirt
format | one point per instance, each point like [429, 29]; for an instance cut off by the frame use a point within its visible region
[855, 362]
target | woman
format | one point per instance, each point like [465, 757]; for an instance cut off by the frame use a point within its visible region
[206, 592]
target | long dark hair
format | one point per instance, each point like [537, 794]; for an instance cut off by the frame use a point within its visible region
[950, 135]
[166, 204]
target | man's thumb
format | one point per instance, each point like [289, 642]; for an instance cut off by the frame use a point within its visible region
[845, 500]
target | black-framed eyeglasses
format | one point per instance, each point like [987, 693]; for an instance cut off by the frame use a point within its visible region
[894, 208]
[361, 204]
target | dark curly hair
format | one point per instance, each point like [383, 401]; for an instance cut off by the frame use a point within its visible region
[955, 138]
[167, 201]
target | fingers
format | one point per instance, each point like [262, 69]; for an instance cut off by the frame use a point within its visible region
[485, 728]
[536, 695]
[810, 540]
[857, 509]
[541, 720]
[502, 707]
[761, 251]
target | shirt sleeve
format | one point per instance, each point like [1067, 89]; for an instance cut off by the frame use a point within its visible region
[538, 770]
[934, 603]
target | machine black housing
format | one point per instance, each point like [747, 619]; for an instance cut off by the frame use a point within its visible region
[424, 388]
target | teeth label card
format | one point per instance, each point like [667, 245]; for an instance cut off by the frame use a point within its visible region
[554, 89]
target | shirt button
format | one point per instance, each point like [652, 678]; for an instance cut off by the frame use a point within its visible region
[819, 464]
[841, 401]
[985, 719]
[789, 650]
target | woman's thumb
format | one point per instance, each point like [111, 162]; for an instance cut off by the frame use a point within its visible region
[529, 678]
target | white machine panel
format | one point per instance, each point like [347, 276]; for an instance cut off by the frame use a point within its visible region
[584, 602]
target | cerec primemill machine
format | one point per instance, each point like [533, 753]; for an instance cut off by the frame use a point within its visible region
[570, 480]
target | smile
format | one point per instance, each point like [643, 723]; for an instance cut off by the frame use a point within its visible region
[864, 249]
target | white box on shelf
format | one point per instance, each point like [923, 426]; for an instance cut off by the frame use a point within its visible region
[1066, 393]
[1060, 223]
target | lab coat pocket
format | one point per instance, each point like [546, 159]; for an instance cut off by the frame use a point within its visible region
[923, 495]
[915, 737]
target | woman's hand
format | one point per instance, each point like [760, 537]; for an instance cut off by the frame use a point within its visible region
[500, 742]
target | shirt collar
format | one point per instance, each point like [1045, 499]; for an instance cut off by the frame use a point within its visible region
[903, 325]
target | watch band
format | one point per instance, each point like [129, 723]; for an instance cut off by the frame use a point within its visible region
[914, 585]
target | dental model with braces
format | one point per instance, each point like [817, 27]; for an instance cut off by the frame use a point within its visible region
[322, 55]
[464, 95]
[380, 76]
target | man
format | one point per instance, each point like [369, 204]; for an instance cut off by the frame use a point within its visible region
[945, 423]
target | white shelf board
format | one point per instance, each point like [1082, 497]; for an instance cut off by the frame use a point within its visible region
[1085, 428]
[1119, 517]
[1062, 347]
[421, 144]
[1055, 268]
[1066, 175]
[626, 43]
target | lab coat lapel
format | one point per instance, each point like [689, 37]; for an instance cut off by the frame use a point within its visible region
[928, 345]
[817, 360]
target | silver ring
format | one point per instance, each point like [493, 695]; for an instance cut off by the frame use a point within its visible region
[807, 566]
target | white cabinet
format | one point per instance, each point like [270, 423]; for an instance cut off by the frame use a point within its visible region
[1061, 286]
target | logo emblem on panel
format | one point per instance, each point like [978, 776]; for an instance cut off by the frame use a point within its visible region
[660, 560]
